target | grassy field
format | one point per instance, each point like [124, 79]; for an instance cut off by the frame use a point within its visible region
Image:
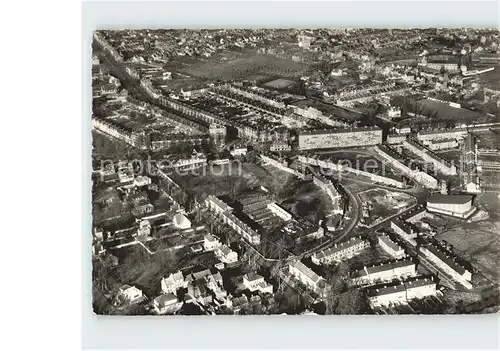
[479, 243]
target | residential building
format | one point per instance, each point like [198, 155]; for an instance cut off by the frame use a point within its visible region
[142, 181]
[307, 276]
[130, 294]
[336, 138]
[396, 138]
[349, 171]
[394, 159]
[455, 133]
[392, 248]
[452, 205]
[239, 151]
[166, 304]
[447, 262]
[384, 272]
[225, 211]
[211, 243]
[131, 138]
[427, 155]
[255, 282]
[340, 251]
[172, 283]
[327, 186]
[442, 144]
[399, 293]
[280, 146]
[226, 255]
[405, 230]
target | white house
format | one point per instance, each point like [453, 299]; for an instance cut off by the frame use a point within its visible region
[340, 251]
[130, 294]
[255, 282]
[142, 180]
[385, 272]
[166, 303]
[226, 255]
[172, 283]
[389, 246]
[306, 276]
[211, 243]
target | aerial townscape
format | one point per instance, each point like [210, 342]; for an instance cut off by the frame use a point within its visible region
[295, 172]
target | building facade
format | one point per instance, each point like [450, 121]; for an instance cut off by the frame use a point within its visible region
[335, 138]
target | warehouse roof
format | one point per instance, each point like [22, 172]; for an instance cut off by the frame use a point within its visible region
[449, 199]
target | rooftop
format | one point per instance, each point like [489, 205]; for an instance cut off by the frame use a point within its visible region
[308, 272]
[449, 199]
[383, 267]
[338, 130]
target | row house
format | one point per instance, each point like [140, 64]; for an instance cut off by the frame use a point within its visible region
[391, 247]
[384, 272]
[338, 252]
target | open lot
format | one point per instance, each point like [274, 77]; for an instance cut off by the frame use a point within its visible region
[442, 111]
[279, 84]
[382, 203]
[478, 243]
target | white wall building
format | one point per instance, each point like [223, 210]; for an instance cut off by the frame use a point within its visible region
[452, 205]
[400, 293]
[226, 255]
[330, 138]
[438, 162]
[172, 283]
[166, 304]
[210, 243]
[405, 230]
[255, 282]
[130, 294]
[340, 251]
[448, 264]
[391, 247]
[384, 272]
[279, 211]
[305, 275]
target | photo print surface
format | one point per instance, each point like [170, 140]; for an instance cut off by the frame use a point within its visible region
[295, 171]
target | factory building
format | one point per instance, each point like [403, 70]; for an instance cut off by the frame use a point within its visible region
[335, 138]
[452, 205]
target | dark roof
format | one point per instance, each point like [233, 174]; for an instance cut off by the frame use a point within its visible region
[447, 258]
[449, 199]
[389, 242]
[385, 289]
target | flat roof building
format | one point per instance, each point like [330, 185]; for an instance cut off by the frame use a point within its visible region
[452, 205]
